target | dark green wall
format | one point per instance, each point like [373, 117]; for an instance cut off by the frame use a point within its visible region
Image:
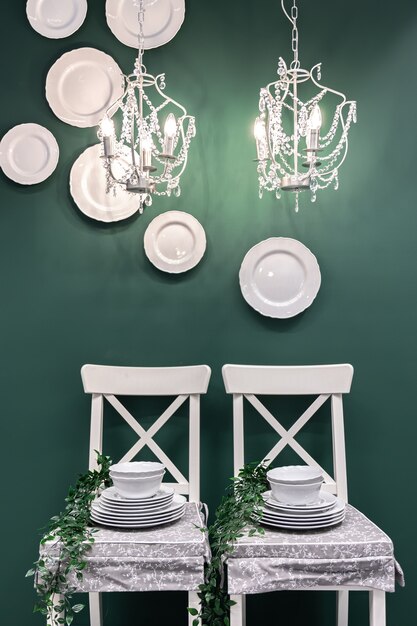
[75, 291]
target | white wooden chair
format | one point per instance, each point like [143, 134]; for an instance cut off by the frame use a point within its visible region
[105, 383]
[327, 382]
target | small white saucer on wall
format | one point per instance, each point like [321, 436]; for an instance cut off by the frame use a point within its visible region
[29, 154]
[56, 19]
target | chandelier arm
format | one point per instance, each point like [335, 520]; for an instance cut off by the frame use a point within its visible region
[329, 89]
[168, 98]
[268, 134]
[285, 12]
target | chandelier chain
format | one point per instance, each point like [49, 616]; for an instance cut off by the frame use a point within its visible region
[294, 36]
[141, 38]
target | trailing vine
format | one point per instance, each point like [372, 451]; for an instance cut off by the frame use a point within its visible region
[238, 514]
[72, 533]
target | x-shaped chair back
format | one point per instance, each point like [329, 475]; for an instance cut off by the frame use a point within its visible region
[185, 383]
[327, 382]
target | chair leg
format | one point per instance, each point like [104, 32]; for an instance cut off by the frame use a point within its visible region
[53, 616]
[342, 607]
[238, 611]
[377, 615]
[193, 603]
[96, 612]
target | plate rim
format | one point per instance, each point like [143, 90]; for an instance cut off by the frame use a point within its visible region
[307, 527]
[170, 490]
[244, 283]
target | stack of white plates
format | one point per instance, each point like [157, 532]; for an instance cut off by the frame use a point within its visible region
[111, 509]
[328, 510]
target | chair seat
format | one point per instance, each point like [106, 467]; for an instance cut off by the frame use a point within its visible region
[355, 553]
[168, 557]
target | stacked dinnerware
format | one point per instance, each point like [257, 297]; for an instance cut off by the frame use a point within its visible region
[137, 499]
[296, 501]
[137, 479]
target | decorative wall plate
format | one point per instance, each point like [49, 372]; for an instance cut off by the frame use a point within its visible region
[82, 84]
[88, 188]
[28, 153]
[175, 242]
[163, 19]
[56, 19]
[279, 277]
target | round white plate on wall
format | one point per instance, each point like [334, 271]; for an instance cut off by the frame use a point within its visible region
[162, 21]
[279, 277]
[56, 19]
[82, 84]
[88, 188]
[175, 242]
[29, 154]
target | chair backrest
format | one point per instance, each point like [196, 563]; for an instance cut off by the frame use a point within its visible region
[185, 383]
[324, 381]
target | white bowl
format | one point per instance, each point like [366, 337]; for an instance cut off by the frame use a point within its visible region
[296, 494]
[137, 487]
[137, 468]
[295, 474]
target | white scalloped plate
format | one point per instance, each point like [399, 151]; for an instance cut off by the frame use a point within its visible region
[162, 21]
[279, 277]
[175, 242]
[82, 84]
[56, 19]
[88, 188]
[29, 153]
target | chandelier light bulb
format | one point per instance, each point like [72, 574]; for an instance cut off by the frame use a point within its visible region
[170, 130]
[107, 132]
[315, 120]
[107, 127]
[260, 136]
[170, 127]
[259, 130]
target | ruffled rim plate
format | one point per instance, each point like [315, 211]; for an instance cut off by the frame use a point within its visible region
[326, 500]
[82, 84]
[162, 21]
[112, 494]
[88, 190]
[279, 277]
[175, 242]
[60, 20]
[29, 153]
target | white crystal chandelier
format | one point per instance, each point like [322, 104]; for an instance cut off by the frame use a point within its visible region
[294, 154]
[144, 159]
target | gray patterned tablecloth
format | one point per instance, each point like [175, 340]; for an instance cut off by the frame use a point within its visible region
[356, 552]
[169, 557]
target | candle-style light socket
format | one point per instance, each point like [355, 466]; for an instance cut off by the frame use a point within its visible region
[313, 139]
[108, 146]
[146, 157]
[169, 146]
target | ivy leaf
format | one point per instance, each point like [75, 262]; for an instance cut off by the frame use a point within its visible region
[192, 611]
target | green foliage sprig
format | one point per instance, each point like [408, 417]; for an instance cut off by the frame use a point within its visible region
[72, 533]
[238, 514]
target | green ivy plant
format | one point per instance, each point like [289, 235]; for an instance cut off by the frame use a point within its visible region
[238, 514]
[71, 530]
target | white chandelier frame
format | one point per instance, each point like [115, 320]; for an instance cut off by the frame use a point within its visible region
[279, 153]
[145, 160]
